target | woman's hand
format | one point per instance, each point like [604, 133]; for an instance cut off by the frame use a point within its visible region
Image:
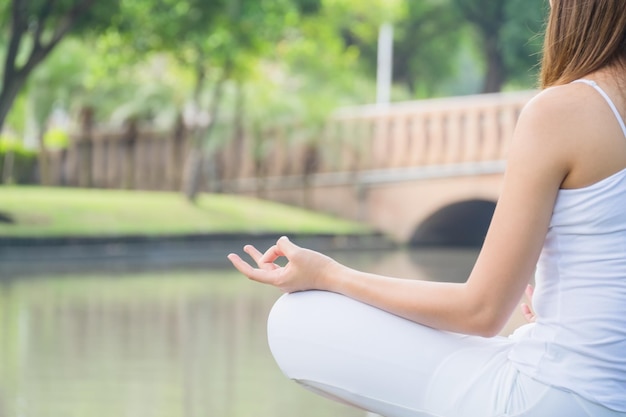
[527, 309]
[305, 269]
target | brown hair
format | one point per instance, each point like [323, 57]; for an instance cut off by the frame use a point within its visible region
[582, 36]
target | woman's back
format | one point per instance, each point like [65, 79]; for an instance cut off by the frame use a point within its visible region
[594, 135]
[579, 340]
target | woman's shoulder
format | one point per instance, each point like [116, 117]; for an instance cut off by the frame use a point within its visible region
[568, 109]
[563, 99]
[573, 124]
[555, 123]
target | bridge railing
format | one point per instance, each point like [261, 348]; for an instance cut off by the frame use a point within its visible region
[425, 133]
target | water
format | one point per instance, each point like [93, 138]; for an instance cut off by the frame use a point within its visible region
[167, 343]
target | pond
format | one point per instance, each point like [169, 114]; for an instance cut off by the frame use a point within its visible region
[168, 343]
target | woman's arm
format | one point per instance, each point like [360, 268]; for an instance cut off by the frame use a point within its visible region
[537, 165]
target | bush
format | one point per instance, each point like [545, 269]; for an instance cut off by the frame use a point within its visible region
[24, 161]
[56, 138]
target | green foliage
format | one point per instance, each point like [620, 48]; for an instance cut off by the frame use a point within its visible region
[153, 91]
[522, 41]
[16, 119]
[296, 86]
[56, 82]
[36, 28]
[5, 14]
[56, 138]
[513, 29]
[208, 34]
[427, 40]
[311, 71]
[9, 142]
[52, 13]
[433, 40]
[426, 45]
[23, 160]
[356, 25]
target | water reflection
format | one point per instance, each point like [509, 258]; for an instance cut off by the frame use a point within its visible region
[161, 344]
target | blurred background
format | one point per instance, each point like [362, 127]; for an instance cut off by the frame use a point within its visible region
[143, 140]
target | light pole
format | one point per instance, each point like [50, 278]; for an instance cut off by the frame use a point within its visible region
[384, 64]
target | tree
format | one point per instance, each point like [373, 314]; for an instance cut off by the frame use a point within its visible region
[219, 41]
[35, 28]
[357, 25]
[502, 26]
[522, 38]
[427, 38]
[426, 45]
[50, 86]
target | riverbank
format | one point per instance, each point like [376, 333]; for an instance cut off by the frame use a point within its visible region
[65, 212]
[21, 256]
[52, 229]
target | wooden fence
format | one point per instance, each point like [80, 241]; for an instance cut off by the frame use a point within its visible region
[128, 158]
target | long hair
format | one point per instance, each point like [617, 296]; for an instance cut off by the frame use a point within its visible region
[582, 36]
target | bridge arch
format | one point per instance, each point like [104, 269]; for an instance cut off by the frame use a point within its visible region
[459, 224]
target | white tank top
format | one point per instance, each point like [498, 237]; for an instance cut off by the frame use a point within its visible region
[579, 340]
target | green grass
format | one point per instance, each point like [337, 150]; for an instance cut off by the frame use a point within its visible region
[39, 211]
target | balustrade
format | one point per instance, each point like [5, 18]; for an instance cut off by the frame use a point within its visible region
[434, 132]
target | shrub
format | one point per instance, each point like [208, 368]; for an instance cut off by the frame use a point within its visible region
[24, 161]
[56, 138]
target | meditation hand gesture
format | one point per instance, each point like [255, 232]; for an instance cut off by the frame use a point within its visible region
[305, 269]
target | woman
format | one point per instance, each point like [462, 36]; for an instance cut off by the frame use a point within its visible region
[414, 348]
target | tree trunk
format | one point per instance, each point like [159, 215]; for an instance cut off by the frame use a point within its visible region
[43, 157]
[489, 18]
[7, 167]
[129, 145]
[193, 169]
[12, 86]
[84, 149]
[175, 159]
[495, 76]
[238, 157]
[195, 160]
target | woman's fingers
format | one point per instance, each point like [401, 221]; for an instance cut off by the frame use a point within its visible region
[271, 254]
[527, 310]
[241, 265]
[528, 313]
[283, 247]
[253, 252]
[258, 257]
[256, 274]
[268, 272]
[530, 290]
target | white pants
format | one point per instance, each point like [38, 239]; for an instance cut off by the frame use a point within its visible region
[360, 355]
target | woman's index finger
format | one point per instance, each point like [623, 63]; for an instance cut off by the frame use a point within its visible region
[255, 274]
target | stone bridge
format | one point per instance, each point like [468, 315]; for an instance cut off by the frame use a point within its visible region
[425, 172]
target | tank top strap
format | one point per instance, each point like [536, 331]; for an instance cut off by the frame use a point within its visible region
[608, 100]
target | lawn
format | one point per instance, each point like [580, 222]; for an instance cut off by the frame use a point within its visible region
[40, 211]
